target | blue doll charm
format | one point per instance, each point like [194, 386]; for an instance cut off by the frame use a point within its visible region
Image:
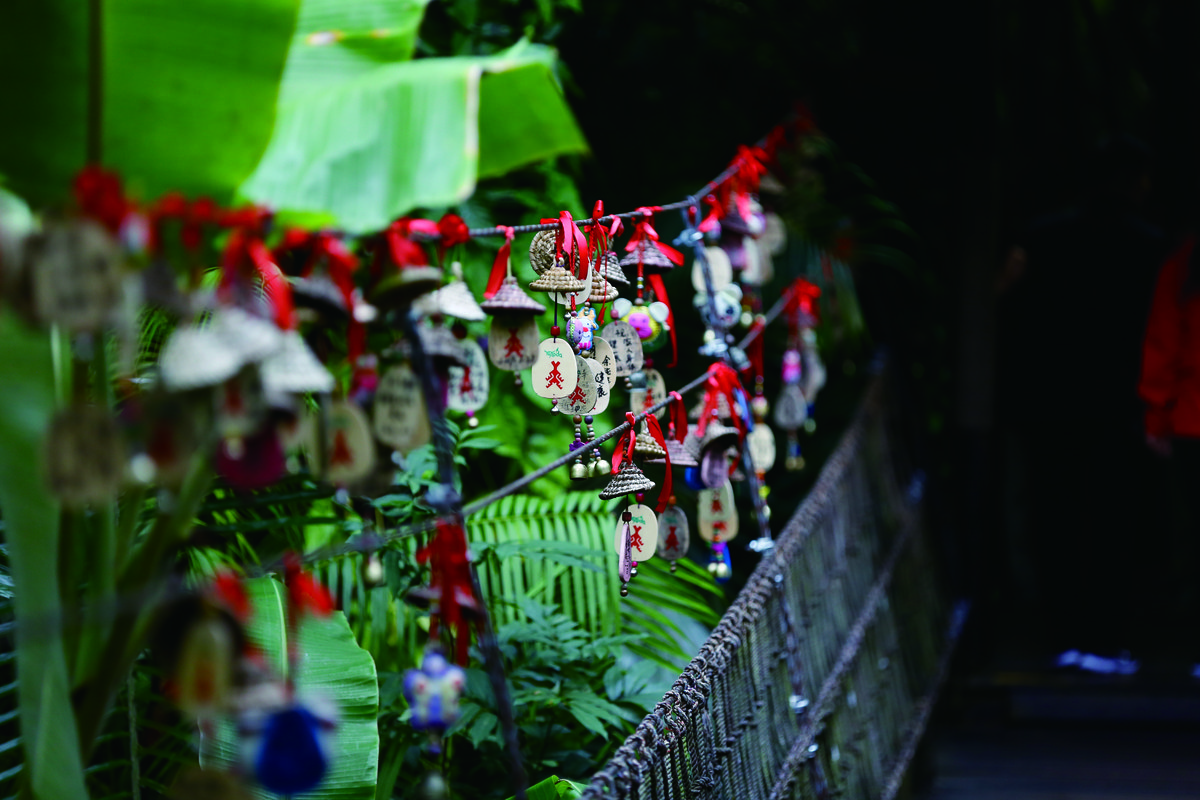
[433, 692]
[289, 749]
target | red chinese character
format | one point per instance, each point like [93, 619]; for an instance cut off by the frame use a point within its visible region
[465, 387]
[555, 377]
[577, 396]
[716, 505]
[513, 346]
[672, 539]
[341, 450]
[635, 541]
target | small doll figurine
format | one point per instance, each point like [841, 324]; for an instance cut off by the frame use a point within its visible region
[581, 327]
[433, 692]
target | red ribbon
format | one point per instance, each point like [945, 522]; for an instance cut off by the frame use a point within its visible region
[450, 577]
[660, 291]
[802, 298]
[191, 216]
[679, 420]
[245, 248]
[624, 448]
[569, 238]
[228, 591]
[453, 232]
[712, 219]
[644, 231]
[404, 251]
[500, 265]
[304, 595]
[341, 264]
[664, 494]
[100, 196]
[722, 380]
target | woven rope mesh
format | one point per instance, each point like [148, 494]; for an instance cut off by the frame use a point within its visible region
[818, 679]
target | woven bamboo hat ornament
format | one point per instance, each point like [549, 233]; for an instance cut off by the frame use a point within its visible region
[678, 436]
[543, 251]
[510, 298]
[629, 479]
[646, 446]
[610, 268]
[557, 279]
[602, 290]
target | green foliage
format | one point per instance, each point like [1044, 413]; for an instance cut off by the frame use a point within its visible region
[31, 532]
[332, 665]
[366, 134]
[188, 91]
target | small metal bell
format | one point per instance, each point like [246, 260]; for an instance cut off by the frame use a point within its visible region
[579, 472]
[602, 466]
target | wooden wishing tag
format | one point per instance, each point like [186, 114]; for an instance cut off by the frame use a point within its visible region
[643, 532]
[655, 392]
[757, 270]
[761, 442]
[774, 236]
[626, 346]
[554, 374]
[76, 271]
[582, 400]
[602, 351]
[240, 404]
[399, 413]
[719, 267]
[349, 448]
[673, 533]
[717, 515]
[469, 383]
[791, 409]
[84, 456]
[513, 342]
[603, 386]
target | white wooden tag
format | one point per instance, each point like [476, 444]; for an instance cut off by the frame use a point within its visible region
[717, 516]
[554, 373]
[469, 383]
[603, 386]
[761, 442]
[400, 417]
[349, 448]
[673, 533]
[84, 456]
[76, 275]
[791, 409]
[643, 532]
[655, 392]
[583, 399]
[602, 351]
[718, 266]
[512, 342]
[626, 345]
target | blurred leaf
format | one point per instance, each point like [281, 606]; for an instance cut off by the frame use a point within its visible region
[383, 139]
[189, 91]
[332, 665]
[31, 532]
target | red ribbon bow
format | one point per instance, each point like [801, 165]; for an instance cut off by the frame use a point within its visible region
[624, 448]
[403, 250]
[453, 232]
[570, 239]
[722, 380]
[716, 210]
[500, 265]
[246, 250]
[644, 231]
[802, 299]
[679, 420]
[450, 577]
[340, 263]
[100, 196]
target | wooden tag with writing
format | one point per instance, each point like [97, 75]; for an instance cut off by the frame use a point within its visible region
[626, 345]
[554, 373]
[643, 532]
[512, 342]
[400, 417]
[469, 383]
[717, 515]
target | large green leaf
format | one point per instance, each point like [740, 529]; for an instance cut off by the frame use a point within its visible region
[188, 91]
[385, 138]
[333, 665]
[32, 534]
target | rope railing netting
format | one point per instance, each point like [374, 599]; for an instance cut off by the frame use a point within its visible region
[819, 678]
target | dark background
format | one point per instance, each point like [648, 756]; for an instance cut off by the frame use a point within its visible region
[974, 119]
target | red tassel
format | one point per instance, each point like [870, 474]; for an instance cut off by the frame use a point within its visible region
[679, 420]
[660, 291]
[664, 494]
[500, 265]
[624, 448]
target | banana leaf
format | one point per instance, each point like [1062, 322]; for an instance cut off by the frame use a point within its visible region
[31, 531]
[332, 665]
[382, 138]
[187, 91]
